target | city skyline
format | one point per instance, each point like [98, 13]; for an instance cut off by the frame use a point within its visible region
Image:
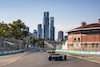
[68, 14]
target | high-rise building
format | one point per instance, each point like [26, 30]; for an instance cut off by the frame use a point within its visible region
[27, 28]
[46, 25]
[65, 38]
[52, 28]
[34, 34]
[39, 32]
[60, 35]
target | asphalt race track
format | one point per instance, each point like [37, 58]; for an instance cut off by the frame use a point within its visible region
[40, 59]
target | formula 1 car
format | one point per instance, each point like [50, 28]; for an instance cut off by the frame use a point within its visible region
[51, 51]
[57, 57]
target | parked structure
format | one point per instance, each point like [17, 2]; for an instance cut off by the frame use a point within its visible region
[85, 37]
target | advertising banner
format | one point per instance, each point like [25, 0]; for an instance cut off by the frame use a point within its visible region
[92, 52]
[9, 52]
[78, 51]
[0, 52]
[69, 51]
[86, 52]
[5, 52]
[64, 50]
[98, 53]
[17, 51]
[81, 52]
[73, 51]
[20, 50]
[13, 51]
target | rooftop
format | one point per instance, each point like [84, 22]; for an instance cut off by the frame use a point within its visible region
[87, 27]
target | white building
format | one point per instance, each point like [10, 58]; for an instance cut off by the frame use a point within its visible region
[64, 45]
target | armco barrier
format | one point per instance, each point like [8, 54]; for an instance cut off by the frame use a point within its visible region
[9, 52]
[5, 52]
[17, 51]
[0, 52]
[12, 51]
[81, 52]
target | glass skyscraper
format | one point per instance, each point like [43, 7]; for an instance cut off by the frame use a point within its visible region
[46, 25]
[39, 33]
[60, 35]
[52, 28]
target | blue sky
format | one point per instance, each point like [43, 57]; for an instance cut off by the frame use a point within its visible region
[67, 14]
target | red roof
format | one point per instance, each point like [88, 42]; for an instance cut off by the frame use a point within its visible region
[89, 26]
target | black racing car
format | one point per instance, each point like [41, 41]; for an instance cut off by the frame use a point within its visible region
[57, 57]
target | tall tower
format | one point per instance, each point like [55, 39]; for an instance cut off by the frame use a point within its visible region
[39, 33]
[46, 25]
[34, 34]
[52, 28]
[27, 28]
[60, 35]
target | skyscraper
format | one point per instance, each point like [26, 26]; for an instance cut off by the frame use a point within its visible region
[46, 25]
[52, 28]
[34, 34]
[65, 38]
[39, 33]
[60, 35]
[27, 28]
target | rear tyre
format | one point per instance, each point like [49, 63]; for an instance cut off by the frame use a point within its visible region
[53, 52]
[50, 58]
[65, 57]
[60, 58]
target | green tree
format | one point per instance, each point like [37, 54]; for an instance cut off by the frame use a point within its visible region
[17, 30]
[4, 30]
[41, 43]
[32, 41]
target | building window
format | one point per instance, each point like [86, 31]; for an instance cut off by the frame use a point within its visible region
[85, 45]
[97, 45]
[71, 45]
[63, 43]
[68, 45]
[92, 45]
[74, 44]
[79, 45]
[74, 39]
[78, 39]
